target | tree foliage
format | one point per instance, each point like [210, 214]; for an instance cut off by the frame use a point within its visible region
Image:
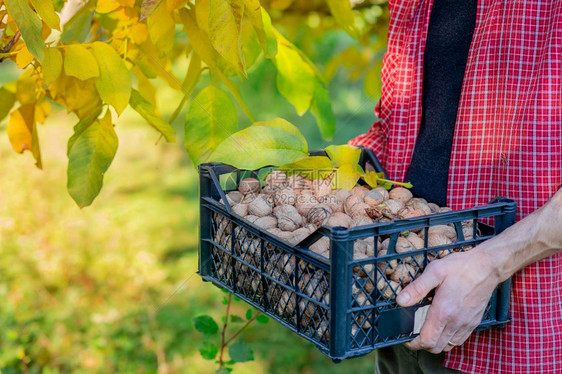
[95, 58]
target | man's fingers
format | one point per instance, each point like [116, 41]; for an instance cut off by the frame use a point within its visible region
[419, 288]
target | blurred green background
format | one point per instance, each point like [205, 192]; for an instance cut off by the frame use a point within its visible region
[113, 288]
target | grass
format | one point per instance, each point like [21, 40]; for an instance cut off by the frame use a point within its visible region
[113, 287]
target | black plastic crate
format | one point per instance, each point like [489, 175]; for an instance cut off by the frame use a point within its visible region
[344, 305]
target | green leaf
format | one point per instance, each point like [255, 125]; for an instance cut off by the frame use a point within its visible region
[372, 82]
[114, 82]
[161, 27]
[206, 325]
[240, 352]
[81, 126]
[146, 110]
[262, 144]
[224, 32]
[210, 120]
[235, 319]
[7, 101]
[262, 318]
[78, 27]
[46, 11]
[295, 78]
[271, 37]
[311, 167]
[208, 350]
[321, 108]
[29, 25]
[343, 13]
[89, 158]
[249, 314]
[346, 176]
[254, 14]
[52, 65]
[224, 371]
[79, 62]
[343, 154]
[148, 7]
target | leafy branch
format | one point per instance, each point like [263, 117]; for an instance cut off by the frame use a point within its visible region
[237, 351]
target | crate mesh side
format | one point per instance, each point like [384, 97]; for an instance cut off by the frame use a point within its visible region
[280, 283]
[375, 282]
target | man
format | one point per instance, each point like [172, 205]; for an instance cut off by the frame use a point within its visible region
[471, 109]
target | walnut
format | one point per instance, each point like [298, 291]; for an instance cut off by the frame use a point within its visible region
[249, 185]
[339, 219]
[288, 218]
[240, 209]
[266, 222]
[401, 194]
[319, 214]
[276, 179]
[304, 202]
[373, 197]
[284, 196]
[359, 191]
[260, 207]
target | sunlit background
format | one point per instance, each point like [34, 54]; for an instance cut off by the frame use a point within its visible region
[113, 287]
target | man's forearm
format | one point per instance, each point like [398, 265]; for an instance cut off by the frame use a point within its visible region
[537, 236]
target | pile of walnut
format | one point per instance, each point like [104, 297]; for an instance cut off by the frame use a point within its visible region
[293, 207]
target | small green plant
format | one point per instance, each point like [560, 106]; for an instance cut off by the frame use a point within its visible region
[217, 340]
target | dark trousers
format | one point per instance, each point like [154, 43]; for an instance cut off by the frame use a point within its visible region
[400, 360]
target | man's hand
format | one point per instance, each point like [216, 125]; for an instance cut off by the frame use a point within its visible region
[464, 283]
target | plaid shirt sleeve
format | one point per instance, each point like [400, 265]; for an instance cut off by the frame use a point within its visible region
[507, 142]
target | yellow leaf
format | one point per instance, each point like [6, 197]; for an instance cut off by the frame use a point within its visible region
[24, 57]
[79, 62]
[345, 177]
[81, 97]
[145, 87]
[46, 11]
[114, 82]
[26, 88]
[199, 40]
[107, 6]
[20, 128]
[52, 65]
[161, 29]
[224, 32]
[127, 3]
[138, 33]
[176, 4]
[42, 111]
[202, 15]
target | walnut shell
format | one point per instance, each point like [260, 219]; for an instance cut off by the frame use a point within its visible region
[260, 207]
[401, 194]
[304, 202]
[266, 222]
[319, 214]
[332, 201]
[321, 187]
[383, 191]
[284, 196]
[394, 206]
[359, 210]
[373, 197]
[339, 219]
[249, 185]
[288, 218]
[350, 202]
[342, 194]
[240, 209]
[322, 247]
[360, 221]
[234, 197]
[276, 179]
[359, 191]
[403, 274]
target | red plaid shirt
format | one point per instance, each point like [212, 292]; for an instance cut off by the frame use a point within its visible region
[507, 142]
